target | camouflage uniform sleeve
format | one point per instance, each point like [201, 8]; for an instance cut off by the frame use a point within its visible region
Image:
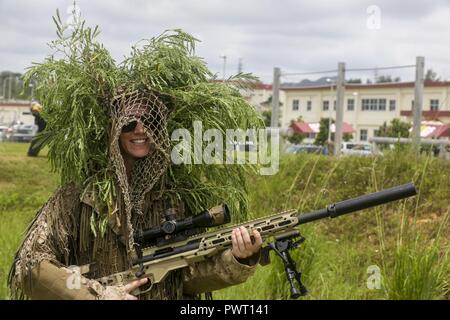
[39, 268]
[217, 272]
[49, 282]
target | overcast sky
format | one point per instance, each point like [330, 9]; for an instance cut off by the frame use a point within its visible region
[295, 35]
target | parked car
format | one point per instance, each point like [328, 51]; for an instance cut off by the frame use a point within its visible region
[360, 149]
[3, 130]
[305, 148]
[23, 132]
[347, 146]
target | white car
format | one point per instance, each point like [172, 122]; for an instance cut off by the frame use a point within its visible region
[362, 149]
[23, 132]
[346, 147]
[3, 131]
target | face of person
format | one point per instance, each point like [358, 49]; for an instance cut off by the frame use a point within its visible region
[134, 142]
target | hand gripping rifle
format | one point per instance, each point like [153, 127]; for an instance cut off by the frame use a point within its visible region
[179, 243]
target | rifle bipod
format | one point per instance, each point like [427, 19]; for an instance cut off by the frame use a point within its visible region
[281, 246]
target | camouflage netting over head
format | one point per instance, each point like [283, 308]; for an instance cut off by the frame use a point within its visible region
[126, 110]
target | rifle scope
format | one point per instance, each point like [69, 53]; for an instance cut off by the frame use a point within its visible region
[215, 216]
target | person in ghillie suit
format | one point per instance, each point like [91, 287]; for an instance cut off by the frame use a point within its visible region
[34, 148]
[108, 136]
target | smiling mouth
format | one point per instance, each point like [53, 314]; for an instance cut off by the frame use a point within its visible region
[139, 142]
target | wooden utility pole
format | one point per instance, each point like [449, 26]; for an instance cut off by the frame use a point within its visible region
[10, 86]
[340, 91]
[275, 98]
[418, 101]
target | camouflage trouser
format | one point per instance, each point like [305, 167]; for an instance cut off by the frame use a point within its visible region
[34, 148]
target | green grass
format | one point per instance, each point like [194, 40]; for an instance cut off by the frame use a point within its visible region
[408, 240]
[25, 185]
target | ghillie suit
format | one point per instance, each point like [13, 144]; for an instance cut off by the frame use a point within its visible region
[92, 217]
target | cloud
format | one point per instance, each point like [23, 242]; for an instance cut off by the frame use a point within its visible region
[297, 36]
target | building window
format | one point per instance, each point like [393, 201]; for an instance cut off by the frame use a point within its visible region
[334, 105]
[295, 105]
[363, 134]
[326, 105]
[382, 104]
[391, 105]
[308, 105]
[434, 104]
[373, 104]
[365, 104]
[412, 104]
[350, 104]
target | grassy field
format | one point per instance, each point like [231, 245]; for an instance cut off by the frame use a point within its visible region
[407, 241]
[25, 185]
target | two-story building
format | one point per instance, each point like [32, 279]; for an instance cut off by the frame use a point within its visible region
[15, 111]
[258, 95]
[366, 106]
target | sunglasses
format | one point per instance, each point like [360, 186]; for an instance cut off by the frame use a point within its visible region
[132, 125]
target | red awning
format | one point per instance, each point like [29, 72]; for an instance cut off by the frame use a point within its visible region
[303, 127]
[433, 130]
[439, 132]
[347, 128]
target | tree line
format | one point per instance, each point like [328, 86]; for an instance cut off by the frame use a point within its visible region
[11, 87]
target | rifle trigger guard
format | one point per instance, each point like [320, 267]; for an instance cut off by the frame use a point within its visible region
[138, 291]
